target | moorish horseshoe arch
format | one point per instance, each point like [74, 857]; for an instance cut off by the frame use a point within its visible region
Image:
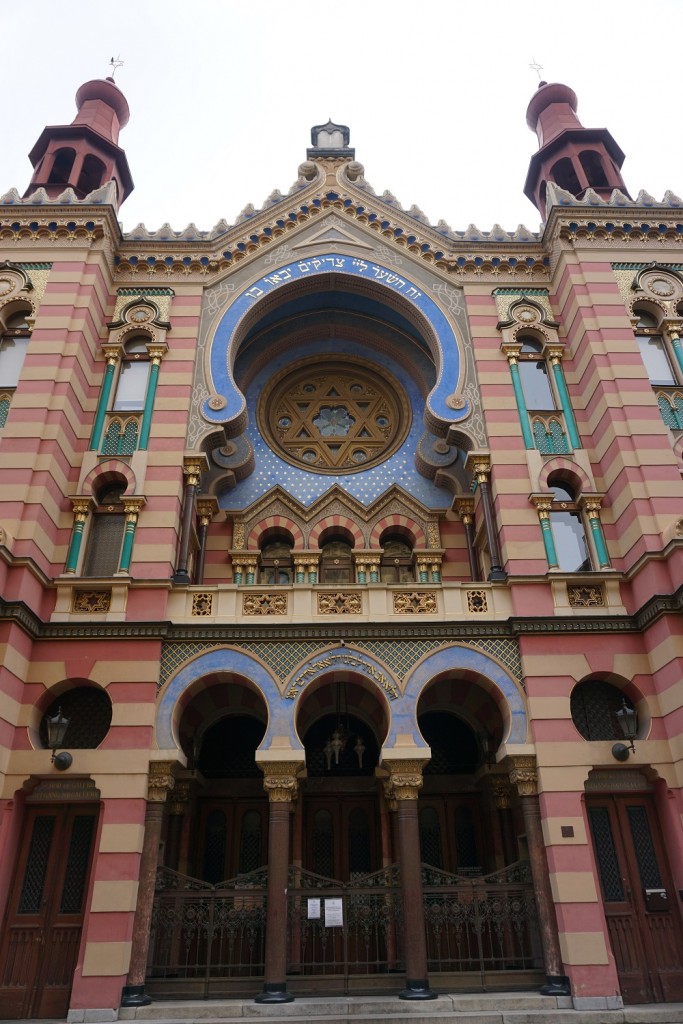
[228, 403]
[225, 659]
[282, 705]
[453, 659]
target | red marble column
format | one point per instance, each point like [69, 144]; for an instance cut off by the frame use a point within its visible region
[279, 780]
[523, 775]
[160, 782]
[406, 780]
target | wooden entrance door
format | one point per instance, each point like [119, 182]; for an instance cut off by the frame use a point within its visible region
[641, 904]
[340, 836]
[42, 927]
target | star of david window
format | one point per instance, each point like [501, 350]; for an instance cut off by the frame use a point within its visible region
[334, 417]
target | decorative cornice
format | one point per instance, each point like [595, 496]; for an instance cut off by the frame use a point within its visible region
[655, 608]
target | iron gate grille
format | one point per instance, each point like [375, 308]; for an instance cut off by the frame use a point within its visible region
[203, 933]
[481, 924]
[369, 942]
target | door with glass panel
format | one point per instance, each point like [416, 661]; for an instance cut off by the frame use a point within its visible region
[41, 932]
[641, 906]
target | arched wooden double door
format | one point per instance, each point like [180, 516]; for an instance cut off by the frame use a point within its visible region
[41, 931]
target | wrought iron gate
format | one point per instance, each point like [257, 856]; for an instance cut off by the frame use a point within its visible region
[368, 942]
[206, 938]
[481, 924]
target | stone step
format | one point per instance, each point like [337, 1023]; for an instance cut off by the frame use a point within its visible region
[481, 1008]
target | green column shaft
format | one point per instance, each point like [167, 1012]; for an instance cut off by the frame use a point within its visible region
[75, 545]
[149, 406]
[102, 406]
[678, 350]
[127, 549]
[572, 430]
[599, 541]
[549, 542]
[521, 406]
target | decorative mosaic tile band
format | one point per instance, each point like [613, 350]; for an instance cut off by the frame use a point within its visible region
[283, 657]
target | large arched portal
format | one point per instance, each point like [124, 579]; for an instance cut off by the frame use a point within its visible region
[342, 722]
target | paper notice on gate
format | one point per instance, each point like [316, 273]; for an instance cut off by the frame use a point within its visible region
[314, 910]
[334, 914]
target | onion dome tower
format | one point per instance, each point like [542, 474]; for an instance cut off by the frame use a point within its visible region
[85, 154]
[573, 157]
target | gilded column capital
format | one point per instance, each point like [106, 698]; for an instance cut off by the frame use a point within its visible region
[554, 353]
[193, 466]
[405, 777]
[180, 798]
[523, 775]
[672, 328]
[81, 508]
[479, 463]
[206, 510]
[543, 503]
[132, 507]
[511, 350]
[112, 353]
[280, 780]
[502, 792]
[464, 507]
[157, 352]
[160, 781]
[591, 504]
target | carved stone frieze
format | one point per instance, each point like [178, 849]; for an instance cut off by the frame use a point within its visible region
[202, 603]
[264, 604]
[415, 603]
[92, 601]
[340, 603]
[586, 596]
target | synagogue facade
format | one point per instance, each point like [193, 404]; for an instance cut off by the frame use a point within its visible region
[340, 587]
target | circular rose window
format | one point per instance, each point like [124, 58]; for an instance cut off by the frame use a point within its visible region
[334, 417]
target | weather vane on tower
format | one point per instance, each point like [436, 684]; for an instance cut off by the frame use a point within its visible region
[535, 66]
[115, 63]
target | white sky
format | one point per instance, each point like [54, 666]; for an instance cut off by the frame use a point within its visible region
[223, 94]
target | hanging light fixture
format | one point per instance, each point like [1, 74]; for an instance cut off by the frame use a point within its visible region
[627, 717]
[340, 734]
[56, 731]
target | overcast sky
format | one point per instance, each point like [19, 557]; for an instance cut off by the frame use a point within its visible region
[223, 94]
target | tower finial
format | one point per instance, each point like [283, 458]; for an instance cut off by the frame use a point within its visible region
[535, 66]
[115, 63]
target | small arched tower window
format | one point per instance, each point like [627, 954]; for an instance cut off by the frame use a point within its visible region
[336, 562]
[396, 565]
[276, 563]
[14, 339]
[133, 376]
[569, 535]
[593, 169]
[106, 531]
[91, 176]
[533, 372]
[564, 175]
[653, 348]
[61, 166]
